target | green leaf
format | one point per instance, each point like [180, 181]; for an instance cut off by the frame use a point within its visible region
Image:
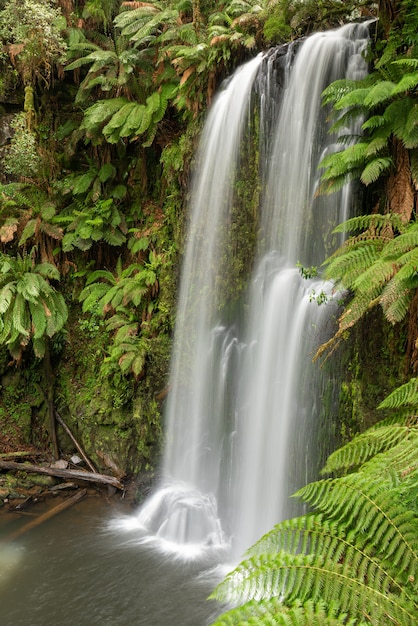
[374, 170]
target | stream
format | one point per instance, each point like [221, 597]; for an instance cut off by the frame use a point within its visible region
[80, 569]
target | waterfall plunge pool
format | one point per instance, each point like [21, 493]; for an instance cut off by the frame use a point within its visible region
[82, 568]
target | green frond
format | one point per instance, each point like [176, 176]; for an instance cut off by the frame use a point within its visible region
[39, 321]
[129, 21]
[101, 274]
[30, 286]
[272, 612]
[375, 221]
[56, 312]
[377, 144]
[351, 262]
[28, 231]
[47, 270]
[91, 296]
[101, 111]
[355, 98]
[365, 446]
[373, 122]
[407, 83]
[405, 395]
[7, 293]
[403, 243]
[337, 90]
[395, 301]
[379, 93]
[408, 265]
[299, 577]
[372, 280]
[374, 169]
[21, 318]
[6, 324]
[387, 528]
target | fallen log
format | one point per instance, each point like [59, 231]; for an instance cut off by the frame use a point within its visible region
[46, 516]
[63, 473]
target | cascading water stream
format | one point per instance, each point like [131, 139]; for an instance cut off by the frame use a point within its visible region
[244, 396]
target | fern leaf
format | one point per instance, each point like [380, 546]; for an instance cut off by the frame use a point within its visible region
[374, 169]
[381, 92]
[273, 612]
[38, 317]
[407, 83]
[365, 446]
[355, 98]
[21, 319]
[405, 395]
[6, 297]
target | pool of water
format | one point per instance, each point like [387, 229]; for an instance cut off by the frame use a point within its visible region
[79, 568]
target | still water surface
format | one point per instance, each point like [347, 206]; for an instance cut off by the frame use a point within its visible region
[78, 569]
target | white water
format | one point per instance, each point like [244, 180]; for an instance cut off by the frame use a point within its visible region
[243, 406]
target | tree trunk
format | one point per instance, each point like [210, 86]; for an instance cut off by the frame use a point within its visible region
[400, 191]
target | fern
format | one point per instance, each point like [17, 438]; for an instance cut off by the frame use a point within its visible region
[354, 559]
[405, 395]
[374, 169]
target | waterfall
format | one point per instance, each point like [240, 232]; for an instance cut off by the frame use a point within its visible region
[245, 399]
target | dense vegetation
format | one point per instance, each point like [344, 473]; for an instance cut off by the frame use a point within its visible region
[102, 104]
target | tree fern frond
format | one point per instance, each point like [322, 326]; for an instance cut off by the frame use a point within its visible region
[395, 300]
[379, 93]
[272, 612]
[303, 577]
[351, 263]
[407, 82]
[361, 497]
[405, 395]
[375, 222]
[371, 281]
[373, 122]
[355, 98]
[403, 243]
[365, 446]
[374, 169]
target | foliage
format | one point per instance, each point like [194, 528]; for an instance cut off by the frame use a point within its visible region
[353, 559]
[126, 300]
[31, 309]
[288, 19]
[378, 267]
[31, 32]
[387, 100]
[27, 214]
[22, 157]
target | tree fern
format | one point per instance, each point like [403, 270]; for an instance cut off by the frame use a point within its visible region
[356, 557]
[405, 395]
[379, 266]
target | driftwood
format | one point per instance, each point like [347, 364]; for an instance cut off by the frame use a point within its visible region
[46, 516]
[75, 442]
[91, 477]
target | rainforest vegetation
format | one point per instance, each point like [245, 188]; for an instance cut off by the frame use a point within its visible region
[102, 104]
